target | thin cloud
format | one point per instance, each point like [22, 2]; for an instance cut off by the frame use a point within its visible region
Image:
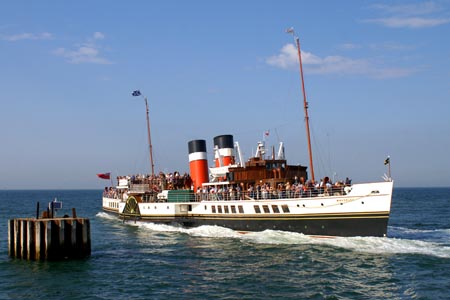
[419, 15]
[409, 9]
[83, 54]
[349, 46]
[391, 46]
[288, 57]
[334, 64]
[98, 36]
[88, 52]
[413, 22]
[27, 36]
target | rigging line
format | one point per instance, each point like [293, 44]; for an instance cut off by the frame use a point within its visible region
[325, 158]
[278, 136]
[140, 151]
[319, 156]
[330, 159]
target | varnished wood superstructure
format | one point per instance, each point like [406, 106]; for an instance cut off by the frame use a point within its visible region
[258, 170]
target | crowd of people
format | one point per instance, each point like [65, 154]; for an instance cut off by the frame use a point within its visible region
[162, 181]
[299, 188]
[156, 183]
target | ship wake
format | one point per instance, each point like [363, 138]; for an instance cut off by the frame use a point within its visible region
[401, 241]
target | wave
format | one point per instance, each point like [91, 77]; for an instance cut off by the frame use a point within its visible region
[419, 231]
[439, 235]
[399, 243]
[105, 215]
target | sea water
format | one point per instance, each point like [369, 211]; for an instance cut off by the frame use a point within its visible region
[153, 261]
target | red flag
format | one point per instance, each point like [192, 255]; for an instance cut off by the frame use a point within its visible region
[104, 175]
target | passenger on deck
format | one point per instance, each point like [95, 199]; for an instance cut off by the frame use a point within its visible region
[348, 181]
[258, 191]
[281, 191]
[264, 191]
[240, 189]
[251, 191]
[288, 190]
[326, 186]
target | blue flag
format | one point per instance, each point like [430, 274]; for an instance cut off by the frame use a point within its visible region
[136, 93]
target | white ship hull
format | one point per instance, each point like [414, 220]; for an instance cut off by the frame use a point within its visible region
[363, 211]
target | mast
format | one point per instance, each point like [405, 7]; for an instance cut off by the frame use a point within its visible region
[149, 139]
[138, 93]
[305, 102]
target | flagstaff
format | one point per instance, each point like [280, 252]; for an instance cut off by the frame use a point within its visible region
[305, 102]
[138, 93]
[387, 162]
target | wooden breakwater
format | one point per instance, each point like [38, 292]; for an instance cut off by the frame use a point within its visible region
[49, 239]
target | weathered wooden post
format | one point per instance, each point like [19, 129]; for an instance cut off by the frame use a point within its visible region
[49, 239]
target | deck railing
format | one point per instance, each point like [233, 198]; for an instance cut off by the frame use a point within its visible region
[233, 195]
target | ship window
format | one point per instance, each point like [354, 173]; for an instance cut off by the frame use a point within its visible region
[225, 207]
[257, 209]
[275, 209]
[233, 209]
[213, 209]
[241, 209]
[219, 209]
[266, 209]
[285, 208]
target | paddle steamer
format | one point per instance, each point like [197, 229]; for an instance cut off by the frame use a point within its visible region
[262, 193]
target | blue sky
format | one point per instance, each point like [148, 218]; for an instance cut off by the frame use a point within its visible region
[377, 77]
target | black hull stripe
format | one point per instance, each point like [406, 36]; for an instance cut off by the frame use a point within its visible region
[384, 215]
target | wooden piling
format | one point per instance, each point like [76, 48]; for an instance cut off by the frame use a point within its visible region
[49, 239]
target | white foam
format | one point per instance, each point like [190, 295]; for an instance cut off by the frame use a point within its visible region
[104, 215]
[375, 245]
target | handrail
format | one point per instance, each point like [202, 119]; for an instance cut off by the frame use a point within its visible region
[235, 195]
